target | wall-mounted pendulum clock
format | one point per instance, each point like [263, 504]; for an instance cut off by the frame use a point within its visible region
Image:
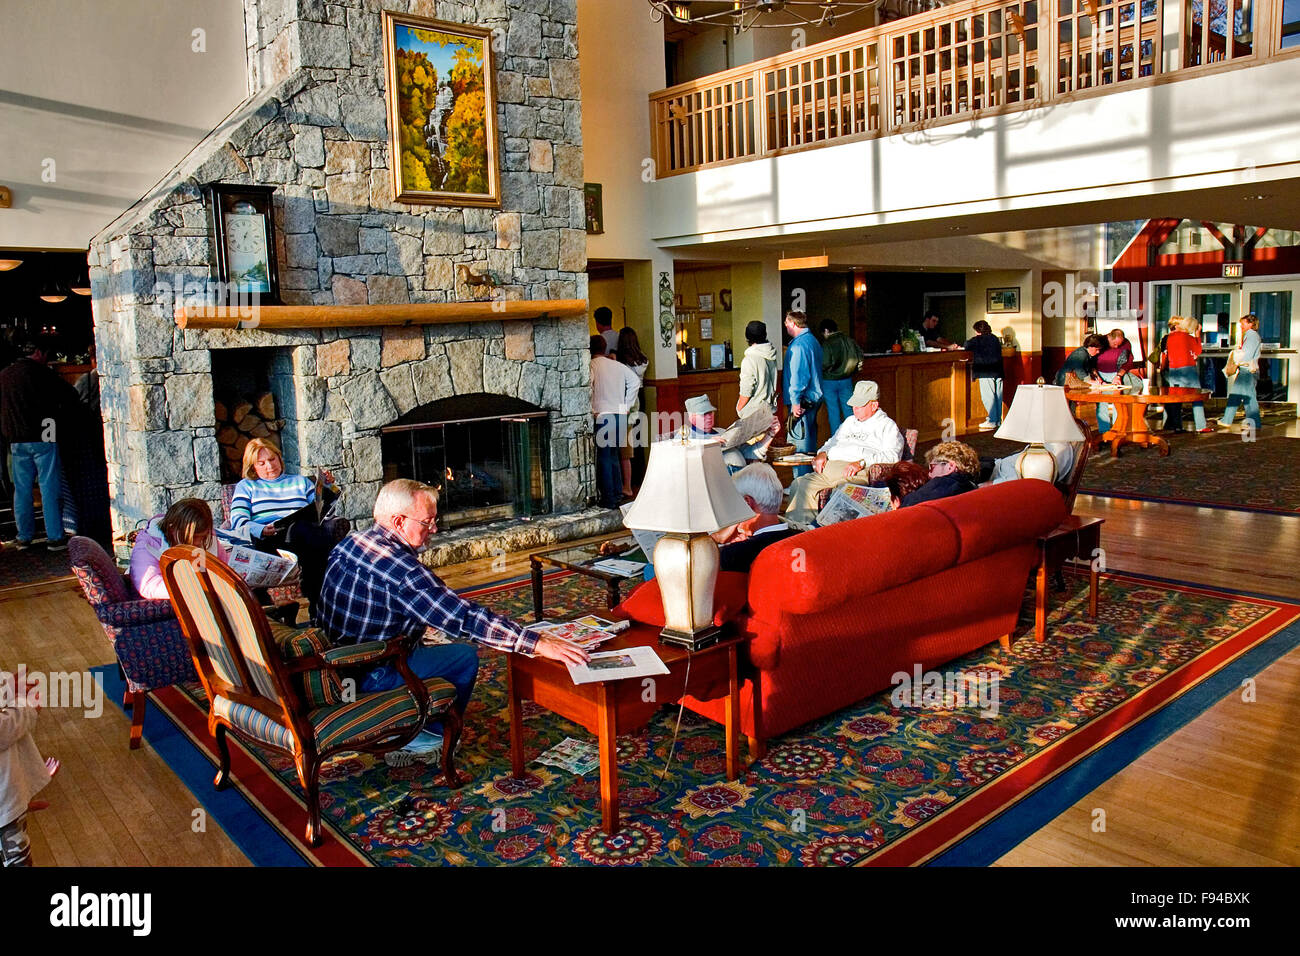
[242, 222]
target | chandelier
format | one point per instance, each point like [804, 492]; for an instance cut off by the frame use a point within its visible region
[743, 15]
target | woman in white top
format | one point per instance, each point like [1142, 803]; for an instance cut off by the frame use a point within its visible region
[630, 354]
[1242, 388]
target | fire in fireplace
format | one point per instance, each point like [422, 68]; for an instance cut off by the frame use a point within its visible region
[488, 454]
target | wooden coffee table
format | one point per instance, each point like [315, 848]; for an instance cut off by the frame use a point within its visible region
[578, 560]
[618, 706]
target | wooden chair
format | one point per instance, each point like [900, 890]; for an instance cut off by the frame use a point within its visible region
[1069, 485]
[146, 636]
[294, 707]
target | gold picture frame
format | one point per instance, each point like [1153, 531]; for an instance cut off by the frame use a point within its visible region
[444, 142]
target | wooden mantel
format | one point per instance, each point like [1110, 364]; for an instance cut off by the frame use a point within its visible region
[336, 316]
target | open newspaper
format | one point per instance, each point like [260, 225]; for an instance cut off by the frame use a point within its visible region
[853, 501]
[639, 661]
[645, 539]
[260, 570]
[751, 426]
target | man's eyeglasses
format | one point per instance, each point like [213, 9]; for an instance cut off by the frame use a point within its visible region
[431, 525]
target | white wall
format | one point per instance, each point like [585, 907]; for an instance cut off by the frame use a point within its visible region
[1126, 148]
[113, 92]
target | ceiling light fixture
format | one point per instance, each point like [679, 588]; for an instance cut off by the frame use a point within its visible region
[743, 15]
[7, 264]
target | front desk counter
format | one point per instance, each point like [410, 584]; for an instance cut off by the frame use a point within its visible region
[927, 391]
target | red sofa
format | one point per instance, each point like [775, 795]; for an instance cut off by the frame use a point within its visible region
[835, 612]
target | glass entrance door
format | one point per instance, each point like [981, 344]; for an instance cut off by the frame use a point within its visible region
[1274, 304]
[1216, 306]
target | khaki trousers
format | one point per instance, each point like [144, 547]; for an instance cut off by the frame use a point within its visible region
[806, 488]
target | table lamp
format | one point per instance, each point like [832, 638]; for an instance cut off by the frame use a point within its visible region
[1038, 414]
[687, 494]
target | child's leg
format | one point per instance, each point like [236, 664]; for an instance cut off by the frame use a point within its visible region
[15, 846]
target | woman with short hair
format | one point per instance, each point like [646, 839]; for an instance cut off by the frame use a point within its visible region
[986, 370]
[1182, 349]
[275, 510]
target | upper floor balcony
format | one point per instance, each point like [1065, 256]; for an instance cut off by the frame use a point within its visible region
[967, 61]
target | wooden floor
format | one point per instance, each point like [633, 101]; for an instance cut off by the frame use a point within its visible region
[1222, 790]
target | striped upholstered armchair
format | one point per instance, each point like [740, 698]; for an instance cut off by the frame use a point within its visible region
[288, 698]
[146, 635]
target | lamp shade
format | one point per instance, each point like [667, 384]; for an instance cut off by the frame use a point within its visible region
[1039, 413]
[686, 490]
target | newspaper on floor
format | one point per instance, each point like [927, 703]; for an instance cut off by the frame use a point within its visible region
[260, 570]
[579, 757]
[640, 661]
[853, 501]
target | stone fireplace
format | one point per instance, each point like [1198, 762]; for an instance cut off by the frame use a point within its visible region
[315, 127]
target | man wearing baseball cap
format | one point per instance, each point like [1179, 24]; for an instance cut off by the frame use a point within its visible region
[701, 414]
[869, 437]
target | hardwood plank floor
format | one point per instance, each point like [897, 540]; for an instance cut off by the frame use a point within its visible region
[1221, 790]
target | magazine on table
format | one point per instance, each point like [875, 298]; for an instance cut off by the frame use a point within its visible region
[261, 570]
[640, 661]
[619, 566]
[586, 632]
[853, 501]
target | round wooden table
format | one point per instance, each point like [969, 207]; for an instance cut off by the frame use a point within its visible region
[1130, 425]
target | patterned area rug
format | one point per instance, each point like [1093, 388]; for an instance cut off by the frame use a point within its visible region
[1214, 471]
[873, 782]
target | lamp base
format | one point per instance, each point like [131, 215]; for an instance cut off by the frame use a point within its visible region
[1036, 461]
[691, 640]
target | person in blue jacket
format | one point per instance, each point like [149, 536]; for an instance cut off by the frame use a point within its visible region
[803, 385]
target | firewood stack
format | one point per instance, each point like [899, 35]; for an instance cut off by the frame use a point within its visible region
[239, 421]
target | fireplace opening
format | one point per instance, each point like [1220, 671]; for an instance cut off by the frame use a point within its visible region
[489, 456]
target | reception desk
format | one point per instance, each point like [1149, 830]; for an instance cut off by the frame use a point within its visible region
[721, 385]
[928, 391]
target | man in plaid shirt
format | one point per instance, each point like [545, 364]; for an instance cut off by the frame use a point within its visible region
[376, 589]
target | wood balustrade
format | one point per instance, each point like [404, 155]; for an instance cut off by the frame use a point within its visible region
[953, 63]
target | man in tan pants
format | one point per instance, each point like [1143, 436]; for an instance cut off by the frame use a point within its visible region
[869, 437]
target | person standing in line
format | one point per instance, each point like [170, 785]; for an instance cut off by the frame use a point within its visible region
[1241, 390]
[840, 359]
[35, 404]
[605, 329]
[986, 369]
[757, 368]
[803, 369]
[1182, 349]
[613, 390]
[630, 354]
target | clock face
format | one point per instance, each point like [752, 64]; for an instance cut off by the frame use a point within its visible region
[246, 255]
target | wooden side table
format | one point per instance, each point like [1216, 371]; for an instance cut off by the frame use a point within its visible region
[610, 707]
[1075, 537]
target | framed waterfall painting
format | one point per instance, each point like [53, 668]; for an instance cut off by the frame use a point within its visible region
[442, 116]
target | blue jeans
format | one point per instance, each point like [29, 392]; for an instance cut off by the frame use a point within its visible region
[1242, 391]
[1105, 412]
[609, 437]
[1185, 377]
[991, 396]
[836, 394]
[804, 437]
[36, 462]
[455, 663]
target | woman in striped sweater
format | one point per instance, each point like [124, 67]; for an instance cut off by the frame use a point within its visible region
[275, 510]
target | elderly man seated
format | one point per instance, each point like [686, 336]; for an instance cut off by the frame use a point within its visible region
[741, 543]
[954, 470]
[376, 588]
[869, 437]
[701, 414]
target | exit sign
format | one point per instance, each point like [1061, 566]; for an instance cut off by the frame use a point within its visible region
[1234, 270]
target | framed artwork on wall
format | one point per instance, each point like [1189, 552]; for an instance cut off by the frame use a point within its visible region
[241, 220]
[706, 301]
[441, 112]
[1003, 300]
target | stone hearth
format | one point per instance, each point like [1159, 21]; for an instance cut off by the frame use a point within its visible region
[315, 126]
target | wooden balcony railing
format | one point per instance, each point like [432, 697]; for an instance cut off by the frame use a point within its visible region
[954, 63]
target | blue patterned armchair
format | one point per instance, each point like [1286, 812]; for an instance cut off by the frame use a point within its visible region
[146, 635]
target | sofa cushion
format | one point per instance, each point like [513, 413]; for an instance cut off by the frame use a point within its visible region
[645, 605]
[825, 567]
[1000, 516]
